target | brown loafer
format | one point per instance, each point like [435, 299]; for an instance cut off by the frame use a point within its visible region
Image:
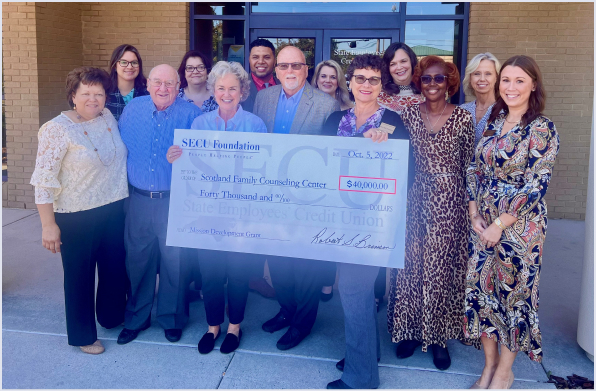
[95, 348]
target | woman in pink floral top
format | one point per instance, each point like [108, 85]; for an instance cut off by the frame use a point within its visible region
[507, 182]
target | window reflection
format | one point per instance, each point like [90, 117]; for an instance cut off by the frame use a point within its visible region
[220, 39]
[437, 38]
[304, 7]
[343, 50]
[443, 8]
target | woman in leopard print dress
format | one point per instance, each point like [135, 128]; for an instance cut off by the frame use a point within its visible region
[426, 298]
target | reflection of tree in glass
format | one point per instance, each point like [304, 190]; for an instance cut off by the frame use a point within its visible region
[217, 46]
[307, 45]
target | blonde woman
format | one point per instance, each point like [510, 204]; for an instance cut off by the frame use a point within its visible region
[481, 75]
[330, 78]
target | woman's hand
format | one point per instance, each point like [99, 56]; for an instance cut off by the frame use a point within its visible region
[491, 236]
[174, 152]
[377, 136]
[479, 224]
[50, 237]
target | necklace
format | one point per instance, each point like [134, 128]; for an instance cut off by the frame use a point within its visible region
[437, 121]
[94, 147]
[514, 122]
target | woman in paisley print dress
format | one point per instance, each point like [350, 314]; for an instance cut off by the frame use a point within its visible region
[507, 181]
[427, 296]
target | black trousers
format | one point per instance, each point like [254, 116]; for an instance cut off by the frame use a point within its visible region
[297, 284]
[216, 268]
[381, 283]
[89, 238]
[328, 272]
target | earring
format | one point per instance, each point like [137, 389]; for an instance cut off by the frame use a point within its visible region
[446, 95]
[533, 90]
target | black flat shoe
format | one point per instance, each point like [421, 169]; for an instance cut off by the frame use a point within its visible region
[207, 343]
[276, 323]
[230, 343]
[338, 385]
[406, 348]
[290, 339]
[128, 335]
[441, 357]
[326, 296]
[173, 335]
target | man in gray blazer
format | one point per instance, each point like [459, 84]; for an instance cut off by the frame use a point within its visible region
[262, 63]
[294, 107]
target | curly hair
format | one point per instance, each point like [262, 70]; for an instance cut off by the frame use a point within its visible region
[140, 80]
[221, 69]
[88, 76]
[182, 67]
[451, 73]
[537, 100]
[365, 61]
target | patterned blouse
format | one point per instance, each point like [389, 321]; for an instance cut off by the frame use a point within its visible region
[208, 105]
[510, 174]
[347, 125]
[399, 102]
[80, 166]
[480, 126]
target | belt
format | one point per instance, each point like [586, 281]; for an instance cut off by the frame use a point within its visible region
[151, 194]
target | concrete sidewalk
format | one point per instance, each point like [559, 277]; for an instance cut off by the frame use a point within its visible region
[35, 353]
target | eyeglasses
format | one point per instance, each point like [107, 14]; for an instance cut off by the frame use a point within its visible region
[374, 80]
[191, 69]
[427, 79]
[124, 63]
[157, 83]
[295, 66]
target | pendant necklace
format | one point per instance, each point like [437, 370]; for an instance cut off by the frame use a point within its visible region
[94, 147]
[437, 121]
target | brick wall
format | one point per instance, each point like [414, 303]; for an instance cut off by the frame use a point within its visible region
[19, 60]
[60, 50]
[560, 37]
[158, 30]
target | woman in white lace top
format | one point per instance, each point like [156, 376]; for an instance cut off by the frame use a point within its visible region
[80, 184]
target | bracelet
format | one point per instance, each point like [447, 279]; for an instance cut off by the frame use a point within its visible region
[500, 224]
[474, 215]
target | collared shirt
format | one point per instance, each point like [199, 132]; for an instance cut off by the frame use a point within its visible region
[116, 102]
[480, 126]
[208, 105]
[286, 110]
[148, 133]
[260, 84]
[128, 97]
[242, 121]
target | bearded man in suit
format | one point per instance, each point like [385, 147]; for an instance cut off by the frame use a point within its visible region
[294, 107]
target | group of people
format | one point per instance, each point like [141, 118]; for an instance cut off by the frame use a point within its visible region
[476, 215]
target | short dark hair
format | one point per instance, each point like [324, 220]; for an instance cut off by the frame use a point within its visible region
[450, 69]
[262, 42]
[388, 84]
[365, 61]
[140, 80]
[181, 68]
[537, 100]
[88, 76]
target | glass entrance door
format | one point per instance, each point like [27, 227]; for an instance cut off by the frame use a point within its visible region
[325, 44]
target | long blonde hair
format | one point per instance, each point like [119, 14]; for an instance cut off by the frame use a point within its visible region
[341, 94]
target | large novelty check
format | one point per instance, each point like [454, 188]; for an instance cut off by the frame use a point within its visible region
[339, 199]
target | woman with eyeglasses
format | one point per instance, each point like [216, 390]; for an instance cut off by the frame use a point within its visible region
[356, 282]
[128, 81]
[193, 71]
[426, 297]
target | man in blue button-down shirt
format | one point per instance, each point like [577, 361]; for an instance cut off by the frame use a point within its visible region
[147, 128]
[297, 108]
